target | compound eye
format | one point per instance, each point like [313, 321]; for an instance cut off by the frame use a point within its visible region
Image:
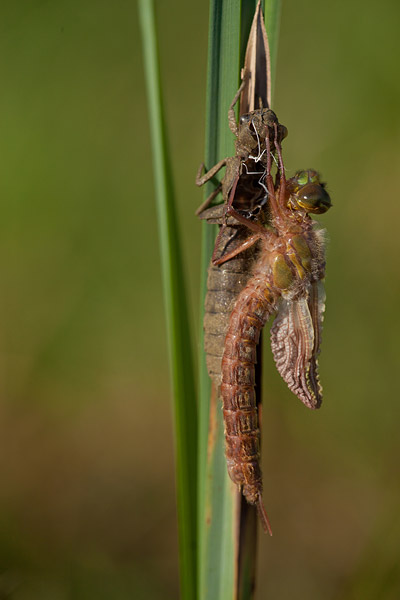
[244, 119]
[302, 177]
[314, 198]
[313, 176]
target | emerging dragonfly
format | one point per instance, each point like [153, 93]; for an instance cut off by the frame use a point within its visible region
[286, 278]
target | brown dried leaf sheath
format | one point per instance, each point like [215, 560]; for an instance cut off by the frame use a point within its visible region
[257, 92]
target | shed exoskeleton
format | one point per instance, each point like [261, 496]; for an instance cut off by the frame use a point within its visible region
[251, 134]
[245, 171]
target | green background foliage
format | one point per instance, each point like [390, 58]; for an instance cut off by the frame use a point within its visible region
[86, 453]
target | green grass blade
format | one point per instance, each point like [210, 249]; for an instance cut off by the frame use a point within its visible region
[272, 14]
[230, 22]
[179, 342]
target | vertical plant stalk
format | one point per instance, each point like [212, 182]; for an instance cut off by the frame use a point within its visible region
[217, 494]
[227, 524]
[256, 93]
[179, 341]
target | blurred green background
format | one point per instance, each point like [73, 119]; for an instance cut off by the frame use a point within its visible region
[86, 449]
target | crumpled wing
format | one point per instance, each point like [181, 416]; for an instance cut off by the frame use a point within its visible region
[295, 342]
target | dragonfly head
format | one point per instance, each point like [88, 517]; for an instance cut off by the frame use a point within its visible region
[308, 193]
[257, 123]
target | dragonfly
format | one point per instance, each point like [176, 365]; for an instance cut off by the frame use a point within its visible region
[286, 281]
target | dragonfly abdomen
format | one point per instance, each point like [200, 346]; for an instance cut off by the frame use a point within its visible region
[254, 306]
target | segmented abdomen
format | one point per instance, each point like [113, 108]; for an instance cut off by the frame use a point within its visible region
[224, 284]
[253, 308]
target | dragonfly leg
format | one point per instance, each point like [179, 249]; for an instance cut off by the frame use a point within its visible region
[208, 200]
[241, 248]
[268, 178]
[282, 177]
[256, 227]
[231, 112]
[279, 152]
[201, 180]
[252, 225]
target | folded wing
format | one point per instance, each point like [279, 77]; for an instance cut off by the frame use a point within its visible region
[295, 342]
